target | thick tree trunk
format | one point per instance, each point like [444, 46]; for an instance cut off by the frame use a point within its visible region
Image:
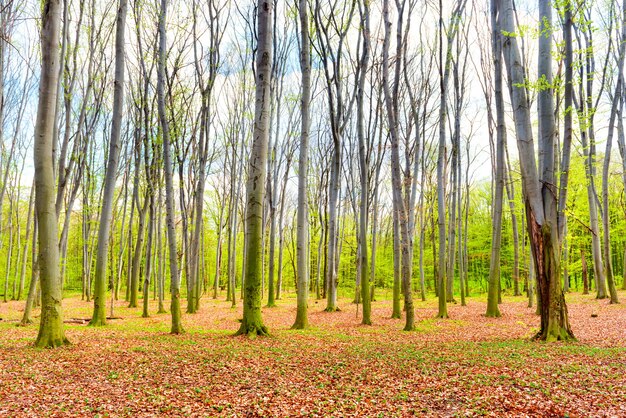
[51, 332]
[396, 310]
[540, 197]
[252, 323]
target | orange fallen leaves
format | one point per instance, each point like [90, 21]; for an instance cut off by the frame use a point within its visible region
[466, 366]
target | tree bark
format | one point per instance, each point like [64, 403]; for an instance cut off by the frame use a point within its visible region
[177, 327]
[252, 322]
[99, 314]
[302, 217]
[540, 197]
[51, 332]
[493, 310]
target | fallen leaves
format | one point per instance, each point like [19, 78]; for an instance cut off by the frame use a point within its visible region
[466, 366]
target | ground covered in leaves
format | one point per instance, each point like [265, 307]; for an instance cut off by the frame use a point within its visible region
[468, 365]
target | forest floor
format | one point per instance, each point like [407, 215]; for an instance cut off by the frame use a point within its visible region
[468, 365]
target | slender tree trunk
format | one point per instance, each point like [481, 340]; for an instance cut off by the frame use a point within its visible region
[606, 224]
[584, 272]
[331, 252]
[218, 253]
[400, 206]
[149, 260]
[177, 327]
[29, 222]
[364, 167]
[496, 235]
[7, 273]
[34, 280]
[302, 220]
[99, 314]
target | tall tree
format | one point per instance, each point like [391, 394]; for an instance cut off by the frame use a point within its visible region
[540, 192]
[51, 332]
[496, 229]
[401, 206]
[104, 230]
[364, 163]
[177, 327]
[252, 322]
[616, 99]
[302, 244]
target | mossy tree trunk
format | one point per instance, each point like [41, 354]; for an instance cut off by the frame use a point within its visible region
[252, 322]
[51, 332]
[544, 221]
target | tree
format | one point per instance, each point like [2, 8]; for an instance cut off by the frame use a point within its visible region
[302, 243]
[363, 164]
[177, 327]
[617, 98]
[99, 314]
[332, 32]
[496, 234]
[444, 293]
[540, 192]
[402, 208]
[51, 332]
[252, 322]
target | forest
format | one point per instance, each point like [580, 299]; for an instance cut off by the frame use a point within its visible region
[312, 208]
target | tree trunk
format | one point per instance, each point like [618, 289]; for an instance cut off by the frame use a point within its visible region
[540, 197]
[99, 299]
[302, 220]
[177, 327]
[34, 279]
[584, 272]
[363, 167]
[493, 310]
[51, 332]
[606, 224]
[400, 206]
[252, 323]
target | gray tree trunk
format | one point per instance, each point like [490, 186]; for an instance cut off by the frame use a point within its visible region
[51, 332]
[252, 323]
[177, 327]
[302, 217]
[104, 230]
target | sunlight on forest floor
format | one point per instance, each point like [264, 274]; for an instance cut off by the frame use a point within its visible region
[466, 366]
